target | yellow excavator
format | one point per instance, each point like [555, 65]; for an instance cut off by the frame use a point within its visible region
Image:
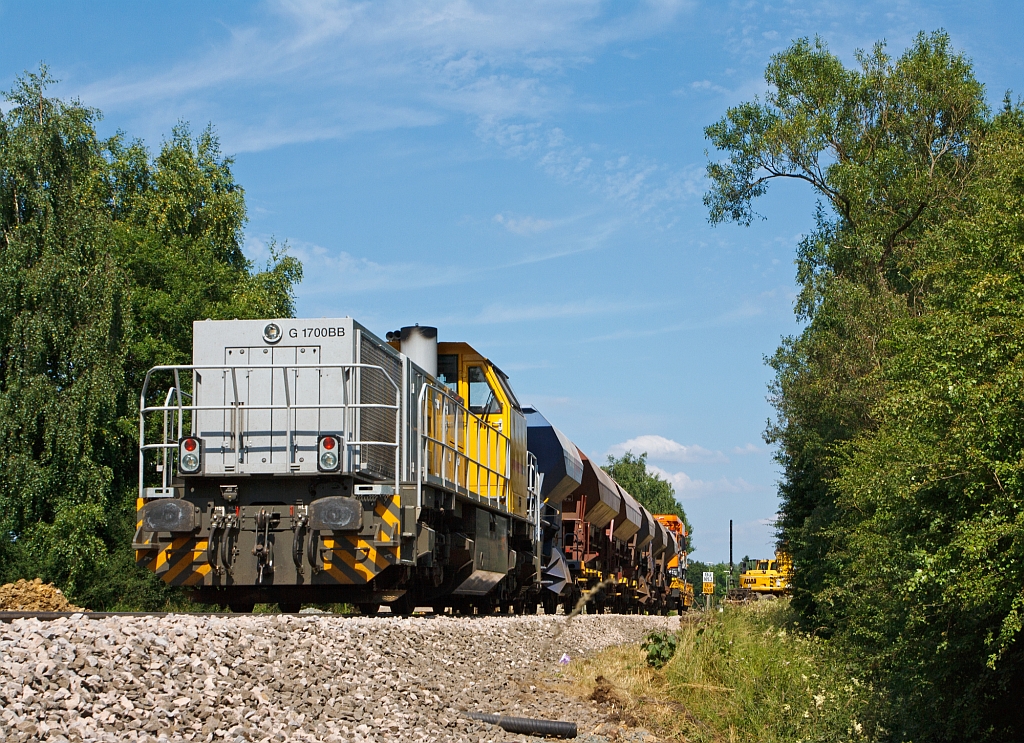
[764, 578]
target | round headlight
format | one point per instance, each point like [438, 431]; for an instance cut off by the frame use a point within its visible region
[328, 460]
[272, 332]
[190, 462]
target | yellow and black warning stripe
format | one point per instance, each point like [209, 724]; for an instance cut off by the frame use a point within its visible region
[352, 560]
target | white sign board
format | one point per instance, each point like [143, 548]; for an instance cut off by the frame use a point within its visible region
[709, 577]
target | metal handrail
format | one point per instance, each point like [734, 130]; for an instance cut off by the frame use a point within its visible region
[236, 407]
[452, 457]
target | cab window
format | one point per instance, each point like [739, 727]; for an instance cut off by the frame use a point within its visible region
[448, 371]
[762, 565]
[481, 397]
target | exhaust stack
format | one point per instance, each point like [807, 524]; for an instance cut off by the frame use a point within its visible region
[419, 343]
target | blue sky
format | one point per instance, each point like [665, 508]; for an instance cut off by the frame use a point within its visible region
[525, 176]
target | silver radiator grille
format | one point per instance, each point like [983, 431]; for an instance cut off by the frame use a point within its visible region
[377, 424]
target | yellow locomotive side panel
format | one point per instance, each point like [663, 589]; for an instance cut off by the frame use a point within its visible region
[495, 442]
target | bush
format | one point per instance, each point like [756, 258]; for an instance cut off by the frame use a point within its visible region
[660, 646]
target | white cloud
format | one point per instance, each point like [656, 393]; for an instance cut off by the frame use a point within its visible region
[524, 226]
[338, 272]
[507, 313]
[488, 59]
[747, 449]
[659, 448]
[688, 488]
[332, 70]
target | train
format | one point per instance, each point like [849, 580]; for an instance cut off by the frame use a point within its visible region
[300, 461]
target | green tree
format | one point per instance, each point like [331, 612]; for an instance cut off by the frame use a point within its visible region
[899, 403]
[63, 331]
[888, 147]
[931, 592]
[107, 256]
[652, 491]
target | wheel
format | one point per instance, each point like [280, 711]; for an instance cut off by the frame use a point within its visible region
[485, 607]
[242, 607]
[403, 606]
[550, 602]
[369, 610]
[289, 607]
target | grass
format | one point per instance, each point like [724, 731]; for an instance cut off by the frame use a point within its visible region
[741, 675]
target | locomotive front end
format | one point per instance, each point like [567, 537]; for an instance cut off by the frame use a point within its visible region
[272, 465]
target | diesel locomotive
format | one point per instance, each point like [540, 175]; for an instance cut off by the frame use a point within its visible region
[310, 461]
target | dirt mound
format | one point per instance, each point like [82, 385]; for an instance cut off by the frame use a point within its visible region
[34, 595]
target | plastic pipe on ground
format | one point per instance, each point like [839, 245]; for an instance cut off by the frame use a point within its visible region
[549, 728]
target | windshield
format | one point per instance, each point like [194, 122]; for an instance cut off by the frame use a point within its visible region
[481, 397]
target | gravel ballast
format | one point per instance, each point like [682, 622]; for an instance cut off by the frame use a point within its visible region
[286, 677]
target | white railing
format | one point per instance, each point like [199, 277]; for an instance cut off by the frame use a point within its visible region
[174, 428]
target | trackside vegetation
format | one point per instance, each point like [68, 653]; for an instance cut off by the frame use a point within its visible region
[747, 674]
[900, 403]
[108, 253]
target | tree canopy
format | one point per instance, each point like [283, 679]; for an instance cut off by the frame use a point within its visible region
[897, 403]
[107, 256]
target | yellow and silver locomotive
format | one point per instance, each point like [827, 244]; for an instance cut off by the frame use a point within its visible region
[310, 461]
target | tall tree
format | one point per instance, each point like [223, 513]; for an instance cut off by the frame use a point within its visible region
[930, 593]
[107, 256]
[63, 332]
[888, 147]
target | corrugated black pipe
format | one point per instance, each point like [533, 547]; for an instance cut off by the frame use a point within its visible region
[548, 728]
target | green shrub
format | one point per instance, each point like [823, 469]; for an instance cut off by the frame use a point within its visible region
[660, 646]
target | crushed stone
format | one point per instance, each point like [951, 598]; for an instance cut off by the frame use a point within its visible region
[324, 678]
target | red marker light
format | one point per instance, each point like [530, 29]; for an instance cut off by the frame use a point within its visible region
[189, 444]
[329, 442]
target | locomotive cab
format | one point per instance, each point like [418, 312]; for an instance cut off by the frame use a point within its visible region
[487, 393]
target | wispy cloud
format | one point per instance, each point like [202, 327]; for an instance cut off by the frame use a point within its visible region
[774, 302]
[525, 226]
[659, 448]
[688, 488]
[498, 313]
[332, 272]
[747, 449]
[491, 60]
[334, 69]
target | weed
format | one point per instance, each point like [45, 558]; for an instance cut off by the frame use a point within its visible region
[660, 647]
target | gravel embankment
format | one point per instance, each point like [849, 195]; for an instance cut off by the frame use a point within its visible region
[306, 678]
